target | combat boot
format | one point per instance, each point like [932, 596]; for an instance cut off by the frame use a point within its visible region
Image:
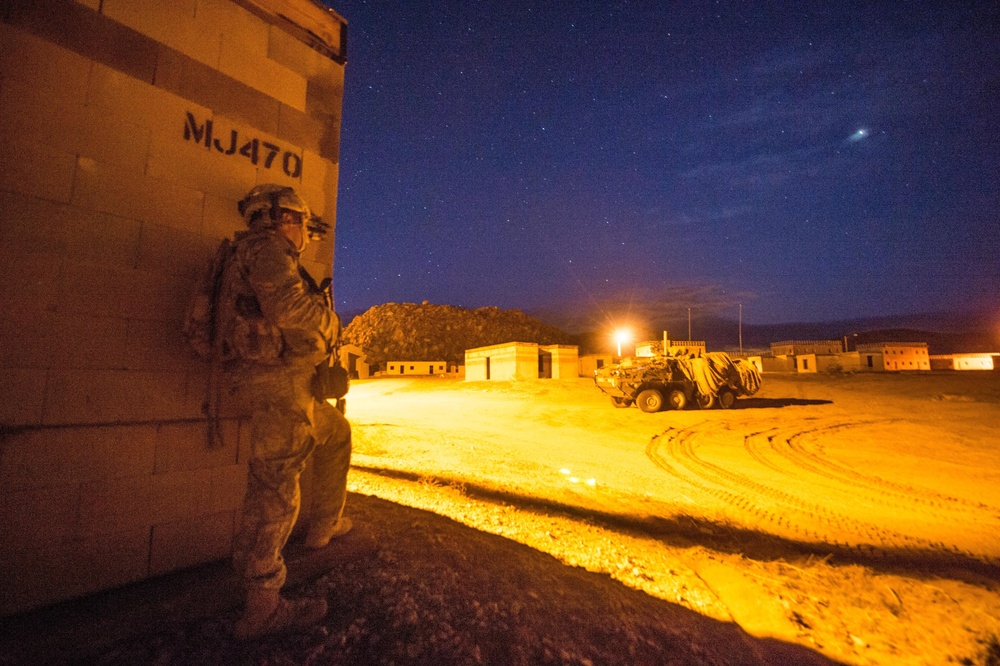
[322, 532]
[267, 612]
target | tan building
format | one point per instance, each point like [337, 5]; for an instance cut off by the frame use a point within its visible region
[655, 347]
[754, 360]
[799, 347]
[842, 362]
[806, 356]
[769, 363]
[590, 363]
[521, 360]
[131, 130]
[963, 362]
[894, 356]
[424, 368]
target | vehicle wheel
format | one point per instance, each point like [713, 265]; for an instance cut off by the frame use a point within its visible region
[705, 401]
[620, 403]
[726, 399]
[677, 400]
[650, 401]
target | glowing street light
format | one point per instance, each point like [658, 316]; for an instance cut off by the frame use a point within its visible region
[622, 335]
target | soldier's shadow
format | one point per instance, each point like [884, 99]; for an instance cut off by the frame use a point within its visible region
[771, 403]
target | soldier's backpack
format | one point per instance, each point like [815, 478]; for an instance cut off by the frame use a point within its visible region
[199, 325]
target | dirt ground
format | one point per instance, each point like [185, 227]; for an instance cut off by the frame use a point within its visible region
[855, 515]
[828, 519]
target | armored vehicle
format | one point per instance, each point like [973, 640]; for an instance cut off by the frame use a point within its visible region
[676, 381]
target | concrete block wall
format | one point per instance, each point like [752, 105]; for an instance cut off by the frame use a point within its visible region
[131, 128]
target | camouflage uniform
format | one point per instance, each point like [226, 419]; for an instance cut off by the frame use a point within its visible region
[278, 329]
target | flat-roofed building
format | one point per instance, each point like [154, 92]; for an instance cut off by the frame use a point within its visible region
[894, 356]
[424, 368]
[591, 363]
[655, 347]
[830, 363]
[521, 360]
[798, 347]
[963, 362]
[807, 356]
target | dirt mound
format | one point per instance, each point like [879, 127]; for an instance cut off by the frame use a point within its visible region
[419, 332]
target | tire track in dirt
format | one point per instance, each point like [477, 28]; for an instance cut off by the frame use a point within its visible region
[672, 452]
[801, 449]
[676, 452]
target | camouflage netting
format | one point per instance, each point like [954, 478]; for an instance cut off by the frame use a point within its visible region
[714, 370]
[426, 332]
[749, 377]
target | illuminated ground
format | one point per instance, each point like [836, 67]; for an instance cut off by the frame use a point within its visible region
[858, 516]
[826, 520]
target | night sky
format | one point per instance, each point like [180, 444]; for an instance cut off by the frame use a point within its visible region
[591, 159]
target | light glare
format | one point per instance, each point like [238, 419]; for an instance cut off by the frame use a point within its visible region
[622, 335]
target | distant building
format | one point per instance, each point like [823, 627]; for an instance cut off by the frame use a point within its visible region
[757, 357]
[655, 347]
[799, 347]
[522, 360]
[772, 363]
[807, 356]
[590, 363]
[839, 362]
[894, 356]
[963, 362]
[424, 368]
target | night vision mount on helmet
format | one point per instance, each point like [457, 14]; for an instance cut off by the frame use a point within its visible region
[317, 228]
[273, 199]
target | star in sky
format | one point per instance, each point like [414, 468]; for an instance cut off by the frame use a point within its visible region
[862, 133]
[659, 171]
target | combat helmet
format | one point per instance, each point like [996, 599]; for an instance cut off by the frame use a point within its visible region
[263, 204]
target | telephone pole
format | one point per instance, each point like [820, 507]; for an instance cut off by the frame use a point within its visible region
[741, 328]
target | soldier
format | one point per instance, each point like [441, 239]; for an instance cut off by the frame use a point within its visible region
[276, 326]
